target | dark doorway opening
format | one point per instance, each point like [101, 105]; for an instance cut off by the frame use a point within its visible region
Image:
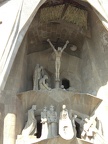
[78, 134]
[39, 127]
[66, 83]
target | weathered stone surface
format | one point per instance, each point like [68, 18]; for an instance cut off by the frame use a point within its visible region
[1, 122]
[87, 77]
[83, 103]
[59, 140]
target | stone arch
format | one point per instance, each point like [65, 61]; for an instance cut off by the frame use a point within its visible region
[17, 32]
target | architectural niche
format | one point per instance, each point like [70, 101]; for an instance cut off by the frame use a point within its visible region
[53, 73]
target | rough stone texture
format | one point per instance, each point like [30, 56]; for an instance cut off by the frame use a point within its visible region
[58, 33]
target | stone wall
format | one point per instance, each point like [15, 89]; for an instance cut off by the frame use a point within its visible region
[16, 82]
[18, 75]
[1, 122]
[94, 65]
[95, 68]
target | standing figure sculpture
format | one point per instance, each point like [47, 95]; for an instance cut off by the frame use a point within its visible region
[38, 73]
[31, 124]
[52, 122]
[44, 121]
[65, 125]
[58, 54]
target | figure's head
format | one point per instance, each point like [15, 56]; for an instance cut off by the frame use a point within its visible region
[37, 66]
[64, 106]
[62, 86]
[45, 108]
[41, 67]
[34, 107]
[59, 48]
[45, 76]
[52, 108]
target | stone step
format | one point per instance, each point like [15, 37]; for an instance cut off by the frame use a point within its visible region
[57, 140]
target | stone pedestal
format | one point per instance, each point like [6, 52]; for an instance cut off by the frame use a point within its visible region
[26, 140]
[59, 140]
[57, 84]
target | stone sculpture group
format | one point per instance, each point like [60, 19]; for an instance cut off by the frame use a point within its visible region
[39, 77]
[63, 125]
[58, 54]
[49, 120]
[38, 74]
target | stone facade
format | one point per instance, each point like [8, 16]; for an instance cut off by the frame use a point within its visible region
[24, 44]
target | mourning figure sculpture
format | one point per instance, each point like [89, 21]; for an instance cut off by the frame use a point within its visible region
[31, 124]
[38, 73]
[43, 84]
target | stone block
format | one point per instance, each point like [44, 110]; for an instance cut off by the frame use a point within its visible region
[1, 122]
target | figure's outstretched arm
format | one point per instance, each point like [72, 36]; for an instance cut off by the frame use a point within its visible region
[65, 45]
[48, 40]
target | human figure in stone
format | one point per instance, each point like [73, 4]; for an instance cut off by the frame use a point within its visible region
[31, 124]
[43, 84]
[65, 125]
[62, 87]
[89, 129]
[44, 121]
[58, 54]
[79, 118]
[38, 73]
[52, 122]
[73, 117]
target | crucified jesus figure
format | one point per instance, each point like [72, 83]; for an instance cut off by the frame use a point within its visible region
[58, 54]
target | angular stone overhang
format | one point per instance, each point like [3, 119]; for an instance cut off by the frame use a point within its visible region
[83, 103]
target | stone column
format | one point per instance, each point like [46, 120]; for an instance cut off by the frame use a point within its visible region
[9, 135]
[57, 84]
[9, 129]
[1, 122]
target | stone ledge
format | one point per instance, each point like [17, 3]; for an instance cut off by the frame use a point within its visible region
[58, 140]
[81, 102]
